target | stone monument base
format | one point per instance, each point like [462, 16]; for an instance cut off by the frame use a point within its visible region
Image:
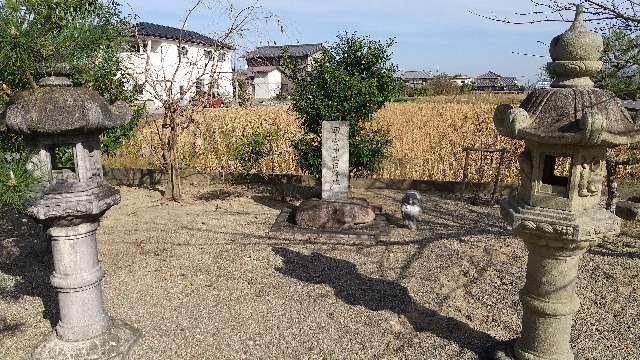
[115, 344]
[334, 215]
[286, 227]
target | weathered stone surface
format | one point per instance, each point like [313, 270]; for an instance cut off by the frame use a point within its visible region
[629, 209]
[81, 205]
[557, 211]
[569, 116]
[320, 214]
[62, 109]
[335, 160]
[73, 198]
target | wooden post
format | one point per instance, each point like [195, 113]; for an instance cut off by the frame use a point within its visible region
[496, 182]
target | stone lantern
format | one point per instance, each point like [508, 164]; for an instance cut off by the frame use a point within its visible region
[557, 211]
[57, 117]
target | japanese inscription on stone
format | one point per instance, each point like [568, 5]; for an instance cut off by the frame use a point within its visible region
[335, 160]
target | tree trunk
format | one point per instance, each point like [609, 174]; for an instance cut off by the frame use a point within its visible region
[172, 190]
[612, 184]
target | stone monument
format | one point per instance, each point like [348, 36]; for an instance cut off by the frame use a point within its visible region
[337, 210]
[53, 116]
[335, 160]
[557, 213]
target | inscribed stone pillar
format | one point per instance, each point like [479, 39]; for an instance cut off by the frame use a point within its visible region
[335, 161]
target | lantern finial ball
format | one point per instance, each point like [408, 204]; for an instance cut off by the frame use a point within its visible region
[576, 54]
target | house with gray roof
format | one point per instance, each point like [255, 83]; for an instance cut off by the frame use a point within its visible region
[417, 78]
[153, 59]
[264, 66]
[494, 82]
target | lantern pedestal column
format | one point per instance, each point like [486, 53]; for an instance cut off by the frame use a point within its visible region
[549, 303]
[85, 329]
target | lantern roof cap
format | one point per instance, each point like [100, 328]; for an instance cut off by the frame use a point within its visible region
[572, 111]
[583, 116]
[56, 107]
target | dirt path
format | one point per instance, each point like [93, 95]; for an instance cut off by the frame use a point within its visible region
[203, 280]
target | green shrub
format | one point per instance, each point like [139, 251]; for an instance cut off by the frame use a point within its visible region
[251, 151]
[350, 81]
[17, 181]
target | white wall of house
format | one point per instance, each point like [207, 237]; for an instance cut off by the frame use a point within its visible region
[462, 80]
[267, 85]
[203, 68]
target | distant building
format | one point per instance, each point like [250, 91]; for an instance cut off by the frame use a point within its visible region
[495, 82]
[264, 67]
[153, 54]
[416, 78]
[462, 79]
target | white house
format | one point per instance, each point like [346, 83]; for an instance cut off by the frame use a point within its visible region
[461, 79]
[264, 67]
[267, 81]
[200, 64]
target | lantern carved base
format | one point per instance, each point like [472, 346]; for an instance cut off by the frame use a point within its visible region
[115, 344]
[505, 351]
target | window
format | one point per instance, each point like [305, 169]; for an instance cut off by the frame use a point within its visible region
[182, 92]
[222, 57]
[556, 172]
[208, 55]
[183, 51]
[63, 163]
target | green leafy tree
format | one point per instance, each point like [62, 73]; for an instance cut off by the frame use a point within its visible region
[36, 37]
[621, 72]
[349, 81]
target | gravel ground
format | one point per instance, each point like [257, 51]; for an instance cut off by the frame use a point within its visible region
[203, 280]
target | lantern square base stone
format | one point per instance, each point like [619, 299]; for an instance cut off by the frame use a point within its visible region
[115, 344]
[504, 351]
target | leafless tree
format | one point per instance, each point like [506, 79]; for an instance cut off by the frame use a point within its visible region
[605, 14]
[166, 83]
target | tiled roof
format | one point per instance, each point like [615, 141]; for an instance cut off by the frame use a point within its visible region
[420, 74]
[172, 33]
[498, 82]
[276, 51]
[489, 75]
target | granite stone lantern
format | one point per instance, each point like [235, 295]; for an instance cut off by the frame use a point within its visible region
[57, 118]
[557, 210]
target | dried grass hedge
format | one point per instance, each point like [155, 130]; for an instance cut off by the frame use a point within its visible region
[429, 137]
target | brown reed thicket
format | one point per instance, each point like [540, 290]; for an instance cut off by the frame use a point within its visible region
[428, 139]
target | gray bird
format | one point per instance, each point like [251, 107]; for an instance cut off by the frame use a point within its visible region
[411, 208]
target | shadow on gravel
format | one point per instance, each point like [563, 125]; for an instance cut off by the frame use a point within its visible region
[26, 254]
[9, 328]
[378, 295]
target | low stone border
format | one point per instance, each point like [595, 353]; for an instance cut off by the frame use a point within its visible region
[285, 228]
[152, 178]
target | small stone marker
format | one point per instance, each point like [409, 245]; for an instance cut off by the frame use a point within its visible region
[335, 160]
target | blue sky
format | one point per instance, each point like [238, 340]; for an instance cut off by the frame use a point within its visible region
[431, 34]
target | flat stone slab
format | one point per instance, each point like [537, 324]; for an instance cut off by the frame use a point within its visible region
[285, 227]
